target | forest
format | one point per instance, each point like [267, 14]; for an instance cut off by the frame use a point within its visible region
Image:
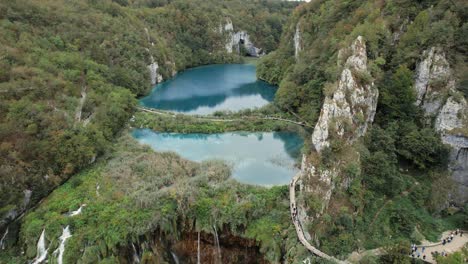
[71, 73]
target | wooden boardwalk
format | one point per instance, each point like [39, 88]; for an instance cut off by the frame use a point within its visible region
[298, 226]
[214, 119]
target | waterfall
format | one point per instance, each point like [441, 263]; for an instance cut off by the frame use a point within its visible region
[66, 234]
[136, 259]
[198, 248]
[217, 245]
[79, 108]
[175, 258]
[41, 250]
[297, 42]
[2, 243]
[77, 212]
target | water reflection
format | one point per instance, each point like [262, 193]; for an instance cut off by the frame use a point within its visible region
[257, 158]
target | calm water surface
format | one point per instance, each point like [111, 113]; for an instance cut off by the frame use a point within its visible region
[256, 158]
[207, 89]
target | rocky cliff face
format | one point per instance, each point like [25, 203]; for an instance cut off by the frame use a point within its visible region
[192, 247]
[237, 39]
[433, 80]
[153, 67]
[436, 94]
[345, 116]
[347, 113]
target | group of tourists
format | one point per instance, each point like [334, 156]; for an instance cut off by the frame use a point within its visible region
[415, 253]
[421, 254]
[451, 236]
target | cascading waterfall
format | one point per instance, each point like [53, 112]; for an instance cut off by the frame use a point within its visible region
[2, 243]
[297, 42]
[136, 258]
[79, 109]
[66, 234]
[78, 211]
[198, 248]
[175, 258]
[41, 249]
[218, 255]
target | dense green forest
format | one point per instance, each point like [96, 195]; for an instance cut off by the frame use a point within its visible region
[70, 76]
[401, 149]
[70, 72]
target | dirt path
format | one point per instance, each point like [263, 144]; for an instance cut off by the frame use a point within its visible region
[457, 243]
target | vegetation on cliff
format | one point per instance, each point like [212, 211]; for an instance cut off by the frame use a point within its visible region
[70, 70]
[133, 191]
[396, 188]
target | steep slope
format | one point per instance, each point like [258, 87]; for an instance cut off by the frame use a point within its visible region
[70, 72]
[405, 87]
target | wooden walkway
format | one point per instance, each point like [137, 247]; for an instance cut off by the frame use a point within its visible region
[212, 119]
[298, 226]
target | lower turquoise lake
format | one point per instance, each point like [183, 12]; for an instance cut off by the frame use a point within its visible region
[266, 158]
[207, 89]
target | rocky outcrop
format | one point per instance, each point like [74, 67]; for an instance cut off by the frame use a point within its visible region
[236, 40]
[450, 122]
[436, 94]
[348, 111]
[297, 42]
[345, 116]
[433, 80]
[153, 67]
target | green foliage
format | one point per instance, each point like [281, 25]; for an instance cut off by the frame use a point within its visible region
[142, 191]
[220, 122]
[66, 92]
[397, 96]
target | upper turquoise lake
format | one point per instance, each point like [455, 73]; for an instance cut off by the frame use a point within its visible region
[263, 158]
[207, 89]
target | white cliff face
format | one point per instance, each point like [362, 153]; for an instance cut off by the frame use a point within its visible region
[452, 115]
[434, 83]
[351, 108]
[153, 67]
[345, 114]
[433, 79]
[41, 249]
[297, 42]
[452, 118]
[236, 39]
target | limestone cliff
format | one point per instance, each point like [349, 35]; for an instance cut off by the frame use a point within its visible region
[345, 116]
[236, 40]
[433, 80]
[153, 67]
[347, 112]
[436, 94]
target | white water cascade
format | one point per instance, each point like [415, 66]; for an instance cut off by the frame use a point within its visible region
[66, 234]
[78, 211]
[136, 259]
[218, 259]
[41, 249]
[297, 42]
[2, 241]
[198, 248]
[175, 258]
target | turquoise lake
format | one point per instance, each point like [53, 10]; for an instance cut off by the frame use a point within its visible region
[207, 89]
[266, 158]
